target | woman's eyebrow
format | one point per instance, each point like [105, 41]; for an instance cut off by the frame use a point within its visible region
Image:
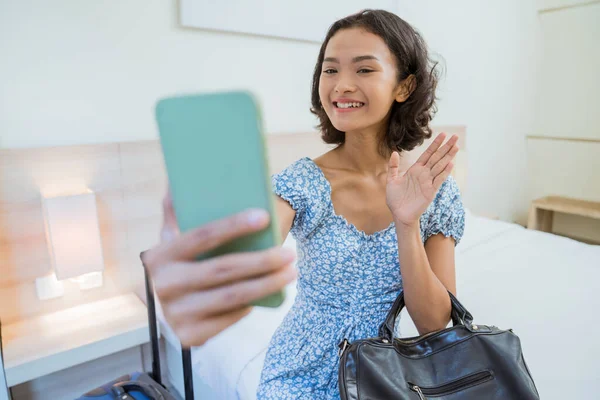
[364, 58]
[354, 60]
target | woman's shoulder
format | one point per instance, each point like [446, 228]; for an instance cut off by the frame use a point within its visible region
[302, 185]
[304, 166]
[448, 193]
[447, 197]
[446, 212]
[302, 178]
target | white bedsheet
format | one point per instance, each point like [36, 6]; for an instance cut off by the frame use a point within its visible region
[539, 284]
[544, 287]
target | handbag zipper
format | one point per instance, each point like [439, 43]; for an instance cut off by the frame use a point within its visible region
[460, 384]
[419, 392]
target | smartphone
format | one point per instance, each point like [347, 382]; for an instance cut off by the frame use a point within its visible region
[215, 155]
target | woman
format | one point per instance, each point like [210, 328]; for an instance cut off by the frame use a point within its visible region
[364, 228]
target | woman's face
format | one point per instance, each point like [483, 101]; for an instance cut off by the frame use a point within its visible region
[358, 83]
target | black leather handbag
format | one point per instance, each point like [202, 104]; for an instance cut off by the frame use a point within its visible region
[463, 362]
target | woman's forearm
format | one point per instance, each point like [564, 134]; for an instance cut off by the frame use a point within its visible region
[426, 298]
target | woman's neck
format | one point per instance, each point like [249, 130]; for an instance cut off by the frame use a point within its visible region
[361, 153]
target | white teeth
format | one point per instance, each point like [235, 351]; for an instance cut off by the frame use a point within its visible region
[349, 105]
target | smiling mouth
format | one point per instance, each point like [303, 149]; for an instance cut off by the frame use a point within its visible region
[342, 106]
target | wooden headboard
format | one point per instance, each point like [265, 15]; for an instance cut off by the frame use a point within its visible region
[129, 181]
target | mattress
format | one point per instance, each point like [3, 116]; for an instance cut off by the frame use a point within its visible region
[540, 285]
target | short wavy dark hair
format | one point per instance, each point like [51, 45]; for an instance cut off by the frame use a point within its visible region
[409, 121]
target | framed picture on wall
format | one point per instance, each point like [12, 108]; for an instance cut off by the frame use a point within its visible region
[306, 20]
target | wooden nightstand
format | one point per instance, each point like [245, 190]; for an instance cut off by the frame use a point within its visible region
[541, 212]
[39, 346]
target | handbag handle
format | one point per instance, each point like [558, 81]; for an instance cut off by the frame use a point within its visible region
[459, 315]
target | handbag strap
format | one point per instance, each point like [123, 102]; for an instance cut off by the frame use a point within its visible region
[459, 315]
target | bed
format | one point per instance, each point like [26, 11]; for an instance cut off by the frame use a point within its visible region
[539, 284]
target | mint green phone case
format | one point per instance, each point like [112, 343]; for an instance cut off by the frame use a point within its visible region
[215, 155]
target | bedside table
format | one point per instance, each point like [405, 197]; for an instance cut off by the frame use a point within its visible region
[541, 212]
[44, 344]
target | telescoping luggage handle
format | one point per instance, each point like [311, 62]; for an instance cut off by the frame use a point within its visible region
[186, 356]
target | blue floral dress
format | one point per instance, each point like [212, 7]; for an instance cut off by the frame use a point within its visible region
[347, 281]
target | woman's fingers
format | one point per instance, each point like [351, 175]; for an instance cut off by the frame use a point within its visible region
[197, 332]
[441, 152]
[175, 279]
[437, 182]
[424, 158]
[191, 244]
[217, 233]
[200, 299]
[441, 165]
[205, 304]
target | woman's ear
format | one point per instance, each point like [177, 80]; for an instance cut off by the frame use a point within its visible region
[405, 88]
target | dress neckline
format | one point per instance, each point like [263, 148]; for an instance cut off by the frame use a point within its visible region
[340, 217]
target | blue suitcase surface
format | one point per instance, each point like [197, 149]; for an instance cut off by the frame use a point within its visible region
[137, 386]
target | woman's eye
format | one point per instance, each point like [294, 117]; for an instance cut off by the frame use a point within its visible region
[329, 71]
[364, 71]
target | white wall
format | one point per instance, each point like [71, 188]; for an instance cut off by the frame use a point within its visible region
[568, 103]
[490, 49]
[564, 155]
[84, 72]
[546, 5]
[75, 72]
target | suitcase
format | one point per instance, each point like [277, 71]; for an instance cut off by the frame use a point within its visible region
[143, 386]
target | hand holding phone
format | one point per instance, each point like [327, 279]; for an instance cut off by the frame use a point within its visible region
[214, 151]
[202, 298]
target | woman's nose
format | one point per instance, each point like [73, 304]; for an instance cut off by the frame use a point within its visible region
[345, 85]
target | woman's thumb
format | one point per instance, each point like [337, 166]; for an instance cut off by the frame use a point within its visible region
[393, 166]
